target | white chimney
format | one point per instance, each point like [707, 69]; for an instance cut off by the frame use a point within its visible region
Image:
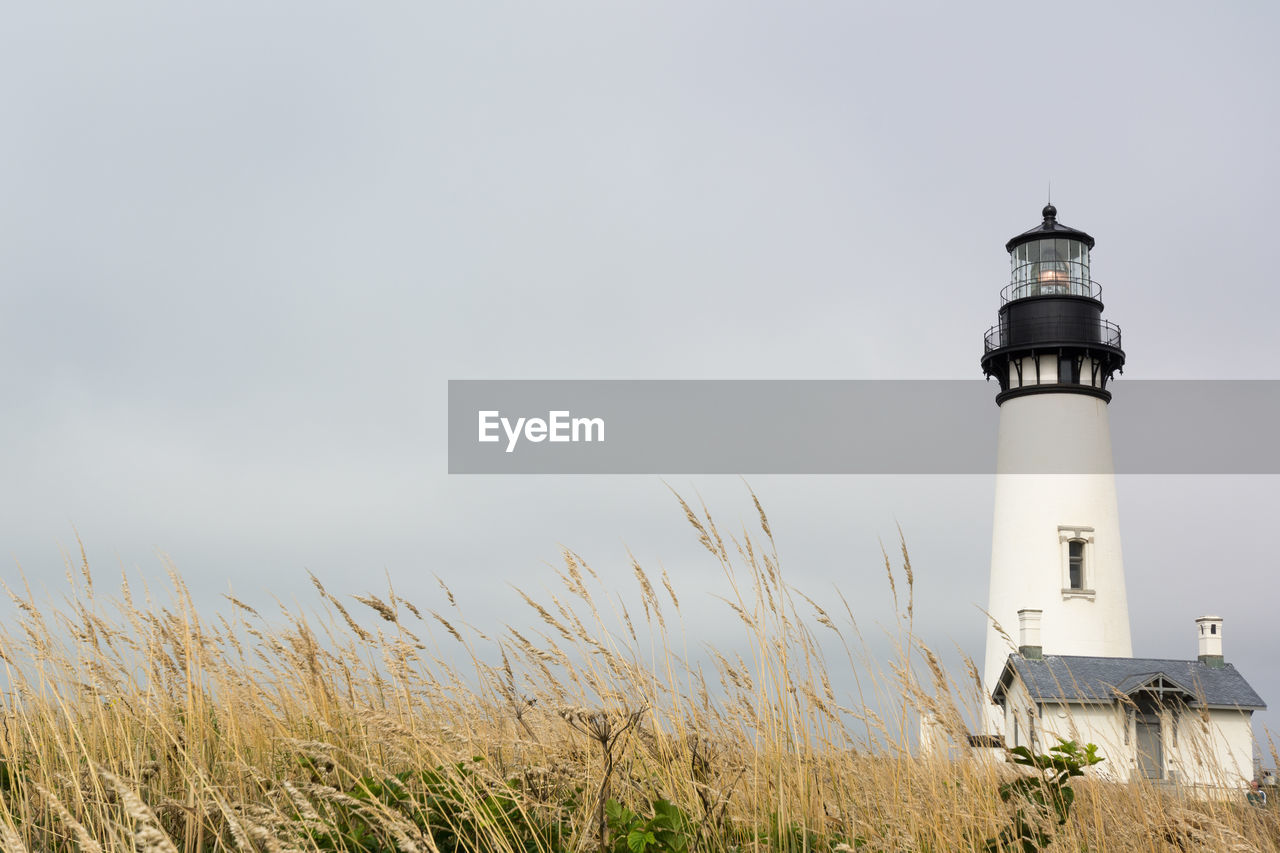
[1029, 634]
[1209, 631]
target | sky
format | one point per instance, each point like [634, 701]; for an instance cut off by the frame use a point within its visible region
[244, 246]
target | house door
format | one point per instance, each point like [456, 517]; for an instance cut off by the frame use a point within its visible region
[1150, 753]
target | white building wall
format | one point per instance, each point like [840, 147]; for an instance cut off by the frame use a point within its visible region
[1056, 432]
[1211, 750]
[1104, 725]
[1236, 752]
[1016, 704]
[1216, 752]
[934, 742]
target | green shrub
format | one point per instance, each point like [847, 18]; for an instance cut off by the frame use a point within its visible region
[460, 812]
[1043, 797]
[669, 830]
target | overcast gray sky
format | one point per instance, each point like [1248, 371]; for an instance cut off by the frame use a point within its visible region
[243, 247]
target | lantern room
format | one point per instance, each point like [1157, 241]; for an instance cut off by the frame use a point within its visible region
[1050, 260]
[1050, 335]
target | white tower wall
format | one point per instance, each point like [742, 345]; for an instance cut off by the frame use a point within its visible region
[1038, 515]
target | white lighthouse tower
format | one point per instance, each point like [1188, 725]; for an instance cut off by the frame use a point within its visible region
[1055, 545]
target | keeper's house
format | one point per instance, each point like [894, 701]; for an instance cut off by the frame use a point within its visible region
[1180, 721]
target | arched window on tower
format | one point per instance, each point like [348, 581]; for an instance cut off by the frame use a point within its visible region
[1075, 563]
[1076, 543]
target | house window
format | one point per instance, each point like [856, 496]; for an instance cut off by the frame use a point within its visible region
[1075, 564]
[1077, 556]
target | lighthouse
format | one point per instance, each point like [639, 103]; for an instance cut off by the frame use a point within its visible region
[1055, 545]
[1059, 660]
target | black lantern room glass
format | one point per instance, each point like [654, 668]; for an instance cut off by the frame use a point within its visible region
[1051, 266]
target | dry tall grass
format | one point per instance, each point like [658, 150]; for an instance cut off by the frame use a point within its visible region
[132, 724]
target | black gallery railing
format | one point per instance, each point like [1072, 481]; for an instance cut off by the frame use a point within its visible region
[1065, 331]
[1049, 286]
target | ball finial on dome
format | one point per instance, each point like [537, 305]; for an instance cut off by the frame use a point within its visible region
[1050, 212]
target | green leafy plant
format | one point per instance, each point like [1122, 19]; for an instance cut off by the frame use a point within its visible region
[792, 836]
[1043, 797]
[11, 775]
[459, 811]
[669, 830]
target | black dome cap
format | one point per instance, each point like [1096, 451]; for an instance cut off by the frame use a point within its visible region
[1049, 228]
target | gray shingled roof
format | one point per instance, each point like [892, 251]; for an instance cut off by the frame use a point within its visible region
[1075, 678]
